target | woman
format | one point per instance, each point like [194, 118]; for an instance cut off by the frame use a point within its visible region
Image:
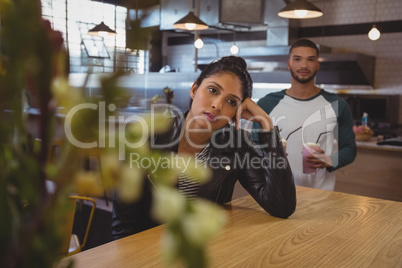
[221, 96]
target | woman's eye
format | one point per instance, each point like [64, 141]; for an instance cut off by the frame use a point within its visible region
[213, 90]
[232, 102]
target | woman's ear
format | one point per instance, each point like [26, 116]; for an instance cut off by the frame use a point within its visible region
[193, 90]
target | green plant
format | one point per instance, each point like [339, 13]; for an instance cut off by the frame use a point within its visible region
[33, 61]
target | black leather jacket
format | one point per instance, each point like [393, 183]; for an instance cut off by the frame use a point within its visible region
[264, 172]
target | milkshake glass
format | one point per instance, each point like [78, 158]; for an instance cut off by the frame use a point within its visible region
[308, 150]
[284, 144]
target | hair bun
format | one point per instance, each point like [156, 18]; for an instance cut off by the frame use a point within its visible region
[235, 61]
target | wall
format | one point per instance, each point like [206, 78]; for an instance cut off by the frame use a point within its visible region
[387, 49]
[182, 56]
[388, 78]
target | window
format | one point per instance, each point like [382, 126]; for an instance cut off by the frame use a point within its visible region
[87, 53]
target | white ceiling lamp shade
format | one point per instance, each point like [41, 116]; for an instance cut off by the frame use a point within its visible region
[102, 30]
[374, 33]
[300, 9]
[190, 22]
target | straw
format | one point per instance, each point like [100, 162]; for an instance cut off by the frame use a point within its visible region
[319, 136]
[293, 132]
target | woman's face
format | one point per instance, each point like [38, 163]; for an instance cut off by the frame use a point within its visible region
[215, 101]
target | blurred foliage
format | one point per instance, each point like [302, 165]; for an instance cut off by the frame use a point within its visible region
[34, 68]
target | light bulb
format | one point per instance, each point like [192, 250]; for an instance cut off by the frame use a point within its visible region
[190, 26]
[234, 49]
[102, 33]
[198, 43]
[300, 13]
[374, 33]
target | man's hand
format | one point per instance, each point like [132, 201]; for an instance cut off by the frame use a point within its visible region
[319, 159]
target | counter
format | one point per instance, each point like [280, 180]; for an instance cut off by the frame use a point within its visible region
[376, 172]
[372, 144]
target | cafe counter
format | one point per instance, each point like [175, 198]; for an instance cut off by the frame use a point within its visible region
[376, 172]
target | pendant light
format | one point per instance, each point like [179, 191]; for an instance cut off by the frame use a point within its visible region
[300, 9]
[374, 33]
[190, 22]
[102, 30]
[198, 43]
[234, 49]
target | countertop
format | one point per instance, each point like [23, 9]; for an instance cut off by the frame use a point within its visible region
[372, 144]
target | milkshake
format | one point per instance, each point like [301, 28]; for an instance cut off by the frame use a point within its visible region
[284, 143]
[308, 150]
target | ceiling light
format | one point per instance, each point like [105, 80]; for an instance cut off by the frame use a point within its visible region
[190, 22]
[374, 33]
[234, 49]
[198, 43]
[300, 9]
[102, 30]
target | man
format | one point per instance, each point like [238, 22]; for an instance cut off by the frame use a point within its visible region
[306, 113]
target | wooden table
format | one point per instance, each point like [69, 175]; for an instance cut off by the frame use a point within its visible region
[328, 229]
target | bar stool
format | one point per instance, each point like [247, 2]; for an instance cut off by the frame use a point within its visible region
[71, 243]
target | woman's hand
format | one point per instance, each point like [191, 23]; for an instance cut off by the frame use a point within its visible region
[250, 110]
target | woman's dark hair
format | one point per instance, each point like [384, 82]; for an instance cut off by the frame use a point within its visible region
[230, 64]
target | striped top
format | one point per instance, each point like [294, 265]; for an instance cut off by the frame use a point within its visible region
[187, 184]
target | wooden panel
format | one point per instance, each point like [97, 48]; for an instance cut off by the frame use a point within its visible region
[374, 173]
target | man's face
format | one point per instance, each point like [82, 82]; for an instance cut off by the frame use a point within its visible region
[303, 64]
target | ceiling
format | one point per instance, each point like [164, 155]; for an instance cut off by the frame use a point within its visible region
[132, 4]
[140, 4]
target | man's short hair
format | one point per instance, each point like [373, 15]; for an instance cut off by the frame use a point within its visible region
[304, 43]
